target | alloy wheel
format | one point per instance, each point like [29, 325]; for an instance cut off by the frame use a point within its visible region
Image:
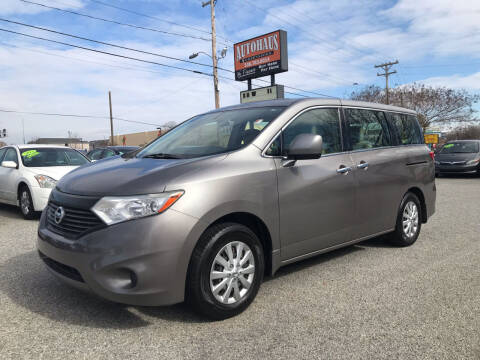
[232, 272]
[410, 219]
[25, 202]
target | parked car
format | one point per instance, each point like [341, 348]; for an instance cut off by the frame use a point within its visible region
[109, 151]
[28, 173]
[205, 211]
[458, 157]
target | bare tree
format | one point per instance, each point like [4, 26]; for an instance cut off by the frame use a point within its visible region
[169, 124]
[464, 133]
[434, 105]
[3, 143]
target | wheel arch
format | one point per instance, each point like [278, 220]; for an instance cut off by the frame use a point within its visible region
[258, 226]
[421, 197]
[21, 184]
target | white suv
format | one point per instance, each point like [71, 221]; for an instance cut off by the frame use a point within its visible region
[29, 172]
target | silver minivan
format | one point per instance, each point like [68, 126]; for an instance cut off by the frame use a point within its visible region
[204, 212]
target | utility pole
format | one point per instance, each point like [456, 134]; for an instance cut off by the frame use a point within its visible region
[23, 129]
[111, 117]
[386, 67]
[214, 51]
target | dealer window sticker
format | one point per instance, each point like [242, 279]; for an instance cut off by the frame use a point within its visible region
[30, 153]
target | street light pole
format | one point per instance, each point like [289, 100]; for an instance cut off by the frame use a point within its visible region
[214, 52]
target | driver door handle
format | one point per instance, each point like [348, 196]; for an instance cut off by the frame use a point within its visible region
[362, 165]
[343, 169]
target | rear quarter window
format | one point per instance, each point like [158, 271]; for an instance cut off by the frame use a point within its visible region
[406, 128]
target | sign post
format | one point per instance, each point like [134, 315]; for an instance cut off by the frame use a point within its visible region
[261, 56]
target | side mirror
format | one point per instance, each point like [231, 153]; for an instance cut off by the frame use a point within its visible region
[305, 146]
[9, 164]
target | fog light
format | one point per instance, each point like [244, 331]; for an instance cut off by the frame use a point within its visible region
[122, 279]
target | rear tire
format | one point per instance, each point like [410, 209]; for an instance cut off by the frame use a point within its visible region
[409, 221]
[225, 271]
[26, 203]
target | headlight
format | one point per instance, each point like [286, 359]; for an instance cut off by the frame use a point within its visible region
[45, 181]
[113, 209]
[437, 162]
[473, 162]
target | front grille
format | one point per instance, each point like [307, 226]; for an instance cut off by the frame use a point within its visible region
[453, 162]
[74, 224]
[62, 269]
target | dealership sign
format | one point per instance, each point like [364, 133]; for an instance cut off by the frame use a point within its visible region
[261, 56]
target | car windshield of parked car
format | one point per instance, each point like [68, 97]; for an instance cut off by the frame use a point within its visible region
[460, 147]
[41, 157]
[212, 133]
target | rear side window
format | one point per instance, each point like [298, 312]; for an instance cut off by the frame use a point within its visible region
[367, 129]
[108, 153]
[324, 122]
[96, 154]
[2, 152]
[407, 129]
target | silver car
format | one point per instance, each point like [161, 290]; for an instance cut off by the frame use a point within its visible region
[204, 212]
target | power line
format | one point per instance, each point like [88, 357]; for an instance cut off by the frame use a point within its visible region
[153, 17]
[150, 62]
[283, 20]
[110, 44]
[83, 60]
[306, 69]
[106, 52]
[75, 116]
[116, 22]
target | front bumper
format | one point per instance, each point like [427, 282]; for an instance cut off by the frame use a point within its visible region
[457, 169]
[138, 262]
[40, 197]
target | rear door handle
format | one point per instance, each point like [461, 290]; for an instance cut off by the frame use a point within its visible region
[343, 169]
[362, 165]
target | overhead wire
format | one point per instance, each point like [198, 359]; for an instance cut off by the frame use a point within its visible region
[142, 60]
[105, 52]
[110, 44]
[75, 116]
[116, 22]
[315, 36]
[131, 49]
[153, 17]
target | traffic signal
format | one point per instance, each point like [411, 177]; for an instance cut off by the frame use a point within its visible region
[3, 133]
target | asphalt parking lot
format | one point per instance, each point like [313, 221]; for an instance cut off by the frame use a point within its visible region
[368, 301]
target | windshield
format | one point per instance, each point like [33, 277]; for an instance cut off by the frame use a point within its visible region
[460, 147]
[41, 157]
[212, 133]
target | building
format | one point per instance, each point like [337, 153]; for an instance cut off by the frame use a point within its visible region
[137, 139]
[74, 143]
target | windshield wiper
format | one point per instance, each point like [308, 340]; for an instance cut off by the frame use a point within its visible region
[162, 156]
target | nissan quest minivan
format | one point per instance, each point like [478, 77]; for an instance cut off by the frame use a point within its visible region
[204, 212]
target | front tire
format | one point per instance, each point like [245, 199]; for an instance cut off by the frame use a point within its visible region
[26, 203]
[408, 223]
[225, 271]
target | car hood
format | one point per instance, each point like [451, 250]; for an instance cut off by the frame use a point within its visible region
[456, 157]
[55, 172]
[129, 176]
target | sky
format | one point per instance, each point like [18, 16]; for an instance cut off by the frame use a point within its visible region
[332, 45]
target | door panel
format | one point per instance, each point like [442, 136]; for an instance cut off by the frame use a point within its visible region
[378, 193]
[377, 167]
[316, 204]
